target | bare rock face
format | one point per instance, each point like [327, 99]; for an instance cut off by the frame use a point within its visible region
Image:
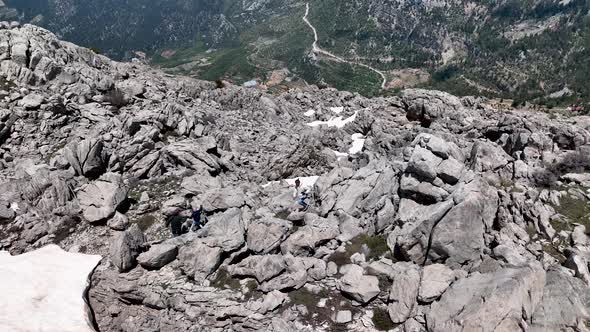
[266, 235]
[564, 303]
[304, 241]
[86, 157]
[6, 213]
[403, 295]
[506, 296]
[450, 211]
[436, 278]
[100, 199]
[362, 288]
[125, 248]
[262, 268]
[226, 230]
[158, 256]
[199, 260]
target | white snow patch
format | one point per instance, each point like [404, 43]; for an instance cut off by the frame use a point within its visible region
[340, 154]
[14, 206]
[337, 110]
[306, 182]
[358, 142]
[43, 291]
[309, 113]
[338, 122]
[266, 185]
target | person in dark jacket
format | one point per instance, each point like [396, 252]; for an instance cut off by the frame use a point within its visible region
[175, 223]
[199, 218]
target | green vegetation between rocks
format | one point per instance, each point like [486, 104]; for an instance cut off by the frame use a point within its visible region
[376, 247]
[145, 221]
[575, 210]
[224, 280]
[304, 297]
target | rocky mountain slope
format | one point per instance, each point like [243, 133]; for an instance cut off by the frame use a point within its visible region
[428, 211]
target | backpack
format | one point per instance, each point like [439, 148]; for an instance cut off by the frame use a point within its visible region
[204, 219]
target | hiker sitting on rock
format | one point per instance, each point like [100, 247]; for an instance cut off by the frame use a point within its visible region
[302, 199]
[297, 185]
[199, 218]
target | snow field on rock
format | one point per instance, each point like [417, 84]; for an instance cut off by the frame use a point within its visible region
[43, 291]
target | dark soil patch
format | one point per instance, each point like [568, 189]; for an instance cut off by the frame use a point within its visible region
[381, 319]
[146, 221]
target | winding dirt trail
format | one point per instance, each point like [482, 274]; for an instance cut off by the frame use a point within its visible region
[333, 57]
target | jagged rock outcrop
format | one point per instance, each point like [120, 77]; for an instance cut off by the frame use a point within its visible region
[100, 199]
[125, 248]
[509, 296]
[158, 256]
[448, 212]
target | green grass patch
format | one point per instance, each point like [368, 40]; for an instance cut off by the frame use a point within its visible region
[182, 56]
[575, 210]
[377, 245]
[134, 196]
[145, 222]
[223, 280]
[552, 251]
[252, 292]
[304, 297]
[352, 78]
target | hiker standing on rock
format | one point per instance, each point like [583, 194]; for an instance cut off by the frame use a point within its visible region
[199, 218]
[297, 185]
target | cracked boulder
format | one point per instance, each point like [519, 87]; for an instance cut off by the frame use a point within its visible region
[506, 298]
[300, 270]
[265, 235]
[86, 157]
[199, 260]
[403, 295]
[225, 230]
[158, 256]
[436, 278]
[125, 248]
[262, 268]
[307, 238]
[417, 223]
[564, 306]
[360, 287]
[100, 199]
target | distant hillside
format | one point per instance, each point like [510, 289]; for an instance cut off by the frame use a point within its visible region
[526, 50]
[118, 27]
